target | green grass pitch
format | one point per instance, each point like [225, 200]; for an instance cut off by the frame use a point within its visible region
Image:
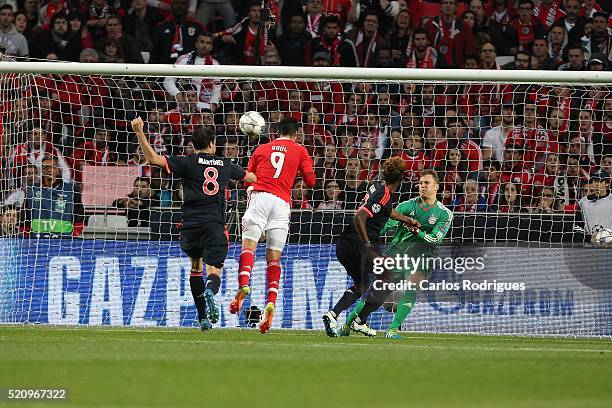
[241, 368]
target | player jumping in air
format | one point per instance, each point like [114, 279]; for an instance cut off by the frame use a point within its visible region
[276, 165]
[205, 177]
[435, 220]
[357, 246]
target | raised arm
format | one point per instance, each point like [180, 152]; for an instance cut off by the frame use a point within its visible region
[153, 158]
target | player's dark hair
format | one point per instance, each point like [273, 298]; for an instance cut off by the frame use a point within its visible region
[432, 173]
[393, 170]
[203, 137]
[6, 7]
[287, 127]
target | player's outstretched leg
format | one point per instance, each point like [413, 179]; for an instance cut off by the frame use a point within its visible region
[273, 275]
[350, 296]
[404, 307]
[245, 266]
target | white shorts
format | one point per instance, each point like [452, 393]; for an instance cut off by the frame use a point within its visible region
[266, 212]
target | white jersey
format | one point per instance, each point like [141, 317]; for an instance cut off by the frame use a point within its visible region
[596, 213]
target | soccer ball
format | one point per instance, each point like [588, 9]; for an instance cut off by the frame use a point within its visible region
[603, 236]
[251, 123]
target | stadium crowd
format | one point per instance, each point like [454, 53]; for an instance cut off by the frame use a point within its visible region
[500, 148]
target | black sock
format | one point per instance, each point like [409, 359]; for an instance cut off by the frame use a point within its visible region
[196, 282]
[349, 297]
[374, 300]
[213, 282]
[368, 308]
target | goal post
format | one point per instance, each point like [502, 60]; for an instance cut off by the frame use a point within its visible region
[516, 151]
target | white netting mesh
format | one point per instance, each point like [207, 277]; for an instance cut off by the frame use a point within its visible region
[514, 161]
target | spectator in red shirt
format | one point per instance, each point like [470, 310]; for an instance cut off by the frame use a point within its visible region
[396, 143]
[450, 36]
[524, 29]
[452, 172]
[299, 195]
[367, 39]
[242, 38]
[341, 51]
[513, 167]
[548, 12]
[315, 19]
[346, 10]
[399, 36]
[510, 201]
[547, 176]
[315, 133]
[369, 164]
[175, 36]
[413, 154]
[97, 14]
[78, 29]
[420, 54]
[346, 138]
[35, 150]
[184, 118]
[94, 152]
[455, 139]
[490, 186]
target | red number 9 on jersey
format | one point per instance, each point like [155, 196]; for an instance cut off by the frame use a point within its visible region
[210, 186]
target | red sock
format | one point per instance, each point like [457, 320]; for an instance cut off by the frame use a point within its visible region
[274, 273]
[245, 265]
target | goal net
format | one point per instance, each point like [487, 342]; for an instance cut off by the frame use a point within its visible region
[90, 230]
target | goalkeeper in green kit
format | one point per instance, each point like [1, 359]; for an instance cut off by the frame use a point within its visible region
[435, 220]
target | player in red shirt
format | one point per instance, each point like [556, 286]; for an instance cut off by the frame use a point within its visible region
[276, 165]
